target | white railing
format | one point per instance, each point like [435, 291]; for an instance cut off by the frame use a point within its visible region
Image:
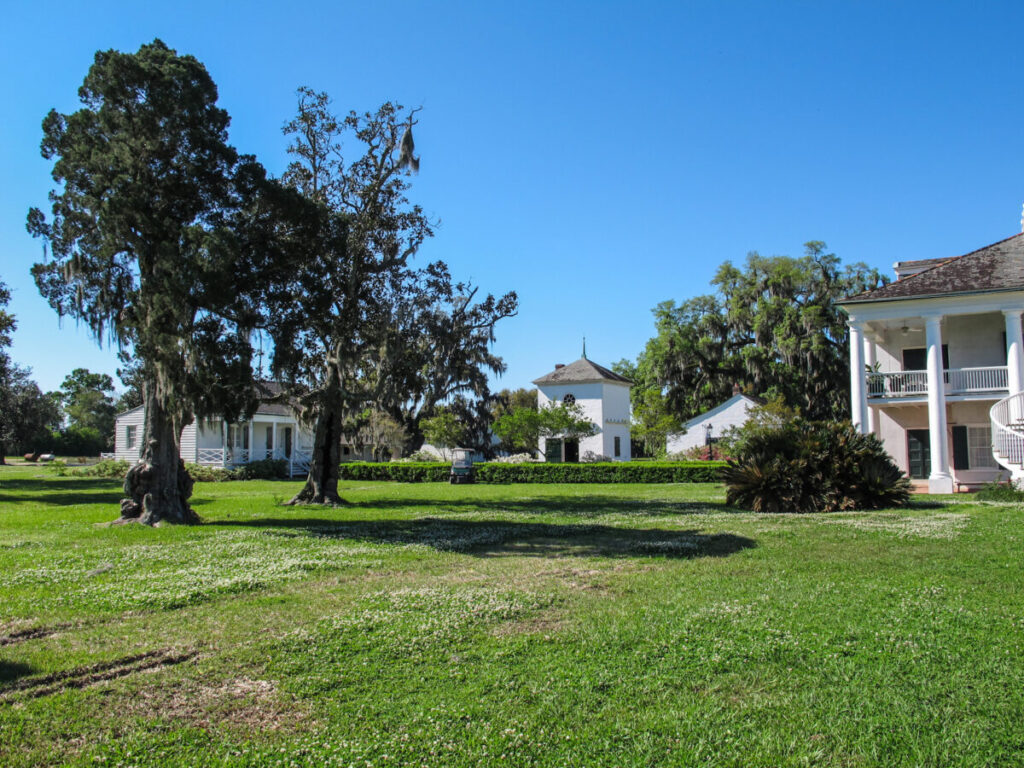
[107, 456]
[210, 456]
[959, 381]
[1007, 417]
[991, 379]
[898, 384]
[300, 462]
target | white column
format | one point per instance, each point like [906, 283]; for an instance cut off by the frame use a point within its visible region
[252, 440]
[1014, 350]
[223, 443]
[940, 480]
[858, 390]
[871, 357]
[273, 440]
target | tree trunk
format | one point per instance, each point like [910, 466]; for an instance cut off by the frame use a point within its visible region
[158, 487]
[322, 481]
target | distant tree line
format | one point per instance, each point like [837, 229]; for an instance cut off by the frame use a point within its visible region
[75, 420]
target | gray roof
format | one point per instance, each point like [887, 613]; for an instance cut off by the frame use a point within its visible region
[996, 267]
[269, 389]
[581, 371]
[919, 263]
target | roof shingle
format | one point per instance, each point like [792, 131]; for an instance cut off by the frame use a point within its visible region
[996, 267]
[580, 371]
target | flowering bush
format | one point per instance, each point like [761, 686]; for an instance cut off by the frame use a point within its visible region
[517, 458]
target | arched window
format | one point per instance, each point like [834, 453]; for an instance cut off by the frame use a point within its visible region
[569, 399]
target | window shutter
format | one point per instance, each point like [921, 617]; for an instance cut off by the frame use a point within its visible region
[960, 449]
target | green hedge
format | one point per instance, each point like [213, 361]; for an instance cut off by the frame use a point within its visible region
[603, 472]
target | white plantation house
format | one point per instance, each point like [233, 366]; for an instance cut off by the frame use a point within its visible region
[708, 427]
[603, 395]
[273, 432]
[937, 366]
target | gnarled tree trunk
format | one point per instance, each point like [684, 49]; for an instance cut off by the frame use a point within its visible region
[158, 487]
[322, 481]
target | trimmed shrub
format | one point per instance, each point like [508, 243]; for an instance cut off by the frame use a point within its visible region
[265, 469]
[498, 472]
[813, 467]
[115, 470]
[399, 471]
[200, 473]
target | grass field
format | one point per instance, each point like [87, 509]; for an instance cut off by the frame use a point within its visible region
[522, 625]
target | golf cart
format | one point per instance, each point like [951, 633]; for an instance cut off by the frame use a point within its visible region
[462, 466]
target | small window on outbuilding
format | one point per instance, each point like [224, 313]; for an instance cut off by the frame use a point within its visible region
[130, 432]
[618, 446]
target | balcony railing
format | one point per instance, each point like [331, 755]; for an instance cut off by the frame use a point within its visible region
[958, 381]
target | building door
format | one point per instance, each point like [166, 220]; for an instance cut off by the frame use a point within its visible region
[553, 451]
[270, 441]
[287, 442]
[572, 451]
[919, 455]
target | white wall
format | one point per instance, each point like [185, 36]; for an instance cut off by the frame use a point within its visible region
[600, 402]
[734, 414]
[589, 398]
[975, 341]
[134, 418]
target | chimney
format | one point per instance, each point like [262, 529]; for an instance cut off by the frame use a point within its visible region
[559, 365]
[736, 389]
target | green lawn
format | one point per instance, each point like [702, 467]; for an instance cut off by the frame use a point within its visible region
[522, 625]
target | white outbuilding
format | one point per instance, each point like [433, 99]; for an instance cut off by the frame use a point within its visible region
[603, 396]
[707, 428]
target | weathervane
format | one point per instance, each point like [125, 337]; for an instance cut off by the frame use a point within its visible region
[585, 338]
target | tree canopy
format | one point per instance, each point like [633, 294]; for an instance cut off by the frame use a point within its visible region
[771, 328]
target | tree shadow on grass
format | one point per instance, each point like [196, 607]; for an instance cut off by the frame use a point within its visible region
[576, 506]
[501, 538]
[12, 670]
[62, 491]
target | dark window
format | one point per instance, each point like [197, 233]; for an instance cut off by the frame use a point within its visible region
[569, 399]
[344, 450]
[961, 450]
[618, 446]
[916, 358]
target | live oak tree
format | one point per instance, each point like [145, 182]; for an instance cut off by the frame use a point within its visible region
[350, 233]
[773, 328]
[353, 325]
[141, 251]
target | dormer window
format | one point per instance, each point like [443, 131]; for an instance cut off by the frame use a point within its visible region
[569, 399]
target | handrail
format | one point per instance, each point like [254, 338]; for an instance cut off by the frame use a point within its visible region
[992, 378]
[1007, 417]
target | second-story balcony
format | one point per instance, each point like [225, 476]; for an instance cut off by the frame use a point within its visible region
[990, 380]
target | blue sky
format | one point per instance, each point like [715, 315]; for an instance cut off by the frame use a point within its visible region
[597, 158]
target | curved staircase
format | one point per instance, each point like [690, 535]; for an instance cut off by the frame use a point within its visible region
[1007, 418]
